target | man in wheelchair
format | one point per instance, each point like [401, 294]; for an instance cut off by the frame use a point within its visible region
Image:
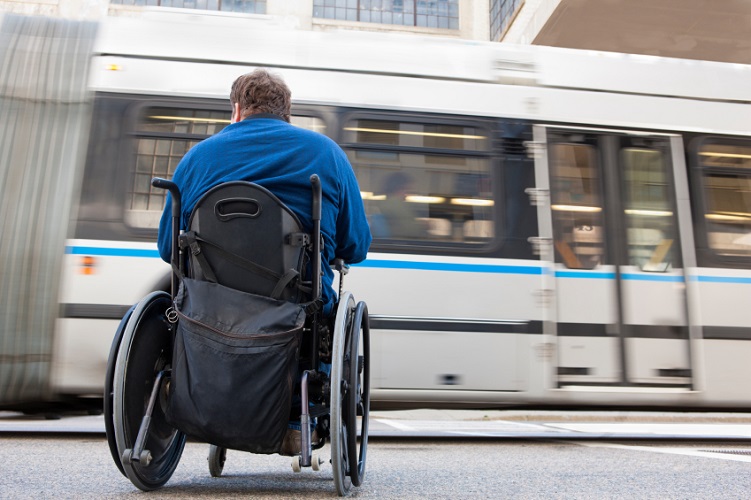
[253, 320]
[261, 146]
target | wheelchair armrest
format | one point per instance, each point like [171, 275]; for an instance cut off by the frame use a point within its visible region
[340, 266]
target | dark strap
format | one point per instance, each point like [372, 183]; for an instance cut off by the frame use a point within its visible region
[176, 270]
[191, 240]
[313, 307]
[285, 280]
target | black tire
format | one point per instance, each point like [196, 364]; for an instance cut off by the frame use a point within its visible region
[145, 350]
[217, 458]
[338, 422]
[109, 418]
[357, 399]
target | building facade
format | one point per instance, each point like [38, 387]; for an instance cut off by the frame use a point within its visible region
[452, 18]
[717, 30]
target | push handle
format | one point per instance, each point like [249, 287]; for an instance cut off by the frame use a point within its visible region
[315, 183]
[160, 183]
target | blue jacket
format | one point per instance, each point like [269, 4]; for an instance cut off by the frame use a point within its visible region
[266, 150]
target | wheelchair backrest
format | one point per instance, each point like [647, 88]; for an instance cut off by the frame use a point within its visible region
[242, 236]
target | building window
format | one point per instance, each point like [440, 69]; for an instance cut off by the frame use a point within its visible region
[423, 13]
[244, 6]
[502, 13]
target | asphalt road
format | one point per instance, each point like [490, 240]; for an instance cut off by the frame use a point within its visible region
[466, 456]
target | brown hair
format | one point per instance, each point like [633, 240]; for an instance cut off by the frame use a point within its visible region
[261, 92]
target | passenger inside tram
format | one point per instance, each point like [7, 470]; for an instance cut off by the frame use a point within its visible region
[399, 217]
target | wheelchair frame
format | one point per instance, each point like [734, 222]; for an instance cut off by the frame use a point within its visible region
[147, 449]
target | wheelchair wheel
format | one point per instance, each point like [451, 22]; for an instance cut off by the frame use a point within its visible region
[350, 393]
[358, 394]
[217, 458]
[145, 350]
[109, 418]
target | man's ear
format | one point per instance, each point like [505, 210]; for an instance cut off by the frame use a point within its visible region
[235, 113]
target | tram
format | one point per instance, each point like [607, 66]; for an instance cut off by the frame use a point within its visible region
[552, 228]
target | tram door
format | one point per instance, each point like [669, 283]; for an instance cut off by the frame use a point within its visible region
[619, 308]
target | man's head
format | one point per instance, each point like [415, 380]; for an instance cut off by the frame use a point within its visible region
[259, 92]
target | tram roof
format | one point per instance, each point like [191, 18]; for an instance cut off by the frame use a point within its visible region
[259, 40]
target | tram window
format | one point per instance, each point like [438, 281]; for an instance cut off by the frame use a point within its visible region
[419, 198]
[419, 135]
[647, 206]
[309, 122]
[155, 158]
[441, 195]
[577, 205]
[163, 136]
[727, 186]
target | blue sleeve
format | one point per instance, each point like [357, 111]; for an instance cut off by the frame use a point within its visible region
[182, 177]
[352, 229]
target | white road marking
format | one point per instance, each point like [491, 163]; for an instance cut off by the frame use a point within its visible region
[661, 429]
[672, 451]
[396, 424]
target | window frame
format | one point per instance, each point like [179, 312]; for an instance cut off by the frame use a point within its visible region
[504, 22]
[127, 163]
[661, 145]
[414, 15]
[708, 256]
[487, 126]
[257, 5]
[133, 135]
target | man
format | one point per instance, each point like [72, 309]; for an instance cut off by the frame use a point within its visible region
[261, 146]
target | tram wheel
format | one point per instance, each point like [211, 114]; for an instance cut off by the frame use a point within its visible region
[145, 350]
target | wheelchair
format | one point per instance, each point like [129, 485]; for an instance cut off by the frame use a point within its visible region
[240, 346]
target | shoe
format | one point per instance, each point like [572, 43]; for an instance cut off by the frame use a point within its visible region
[292, 442]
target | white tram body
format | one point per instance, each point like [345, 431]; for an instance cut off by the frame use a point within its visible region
[586, 215]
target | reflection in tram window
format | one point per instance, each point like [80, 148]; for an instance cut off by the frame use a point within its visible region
[418, 135]
[163, 136]
[577, 205]
[727, 186]
[647, 206]
[440, 194]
